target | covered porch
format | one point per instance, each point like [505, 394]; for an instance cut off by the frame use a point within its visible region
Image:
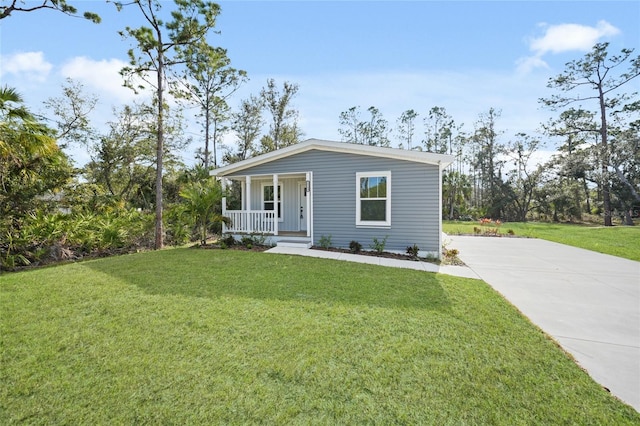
[277, 205]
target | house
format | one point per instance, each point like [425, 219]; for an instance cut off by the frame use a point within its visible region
[349, 192]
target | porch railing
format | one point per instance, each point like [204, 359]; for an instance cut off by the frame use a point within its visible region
[254, 221]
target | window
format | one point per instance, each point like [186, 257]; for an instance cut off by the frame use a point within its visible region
[267, 199]
[373, 199]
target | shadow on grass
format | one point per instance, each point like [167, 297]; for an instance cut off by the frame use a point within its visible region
[221, 273]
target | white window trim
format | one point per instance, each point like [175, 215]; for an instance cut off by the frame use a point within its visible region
[371, 223]
[280, 194]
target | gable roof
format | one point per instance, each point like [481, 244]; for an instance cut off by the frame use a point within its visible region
[441, 160]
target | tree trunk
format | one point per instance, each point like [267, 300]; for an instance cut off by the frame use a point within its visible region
[159, 229]
[207, 120]
[586, 193]
[606, 193]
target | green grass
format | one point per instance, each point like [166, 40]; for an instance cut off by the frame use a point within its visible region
[621, 241]
[216, 337]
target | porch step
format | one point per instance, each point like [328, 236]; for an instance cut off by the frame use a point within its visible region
[294, 243]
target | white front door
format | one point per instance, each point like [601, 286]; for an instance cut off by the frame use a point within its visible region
[302, 206]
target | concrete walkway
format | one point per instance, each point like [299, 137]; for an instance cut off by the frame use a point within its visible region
[459, 271]
[588, 302]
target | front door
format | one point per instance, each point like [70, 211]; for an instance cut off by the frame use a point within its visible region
[302, 206]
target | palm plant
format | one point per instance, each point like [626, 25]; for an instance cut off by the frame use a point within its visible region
[201, 199]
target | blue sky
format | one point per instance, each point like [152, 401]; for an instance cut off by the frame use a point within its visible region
[464, 56]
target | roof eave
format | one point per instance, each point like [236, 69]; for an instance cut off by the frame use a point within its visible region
[441, 160]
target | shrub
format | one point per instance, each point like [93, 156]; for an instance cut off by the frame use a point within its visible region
[413, 251]
[253, 240]
[355, 246]
[229, 241]
[450, 253]
[379, 245]
[325, 241]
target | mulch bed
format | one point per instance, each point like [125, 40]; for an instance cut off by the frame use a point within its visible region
[385, 254]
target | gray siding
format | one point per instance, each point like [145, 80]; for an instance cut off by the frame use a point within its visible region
[414, 198]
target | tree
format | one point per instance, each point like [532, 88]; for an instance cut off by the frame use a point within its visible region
[406, 127]
[200, 201]
[443, 135]
[351, 126]
[576, 156]
[596, 78]
[208, 81]
[439, 128]
[456, 193]
[123, 159]
[246, 124]
[157, 50]
[522, 181]
[376, 130]
[279, 107]
[31, 163]
[487, 166]
[59, 5]
[373, 131]
[625, 160]
[72, 110]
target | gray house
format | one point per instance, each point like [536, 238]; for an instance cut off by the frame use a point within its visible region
[317, 188]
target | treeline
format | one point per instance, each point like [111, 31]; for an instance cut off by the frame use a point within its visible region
[136, 193]
[596, 134]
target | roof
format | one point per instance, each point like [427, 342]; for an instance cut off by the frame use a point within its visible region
[441, 160]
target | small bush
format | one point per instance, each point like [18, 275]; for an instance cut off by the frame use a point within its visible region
[379, 245]
[450, 253]
[325, 241]
[413, 251]
[355, 246]
[492, 231]
[253, 240]
[511, 232]
[229, 241]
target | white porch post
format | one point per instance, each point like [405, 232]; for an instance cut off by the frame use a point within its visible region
[223, 185]
[309, 205]
[243, 191]
[275, 204]
[247, 203]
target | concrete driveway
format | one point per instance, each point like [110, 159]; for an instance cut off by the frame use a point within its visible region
[588, 302]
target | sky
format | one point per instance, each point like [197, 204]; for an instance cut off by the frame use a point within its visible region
[464, 56]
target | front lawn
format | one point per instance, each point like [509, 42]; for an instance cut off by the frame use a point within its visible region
[191, 336]
[621, 241]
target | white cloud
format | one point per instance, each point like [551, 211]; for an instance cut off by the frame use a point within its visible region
[529, 63]
[570, 37]
[563, 38]
[102, 76]
[26, 65]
